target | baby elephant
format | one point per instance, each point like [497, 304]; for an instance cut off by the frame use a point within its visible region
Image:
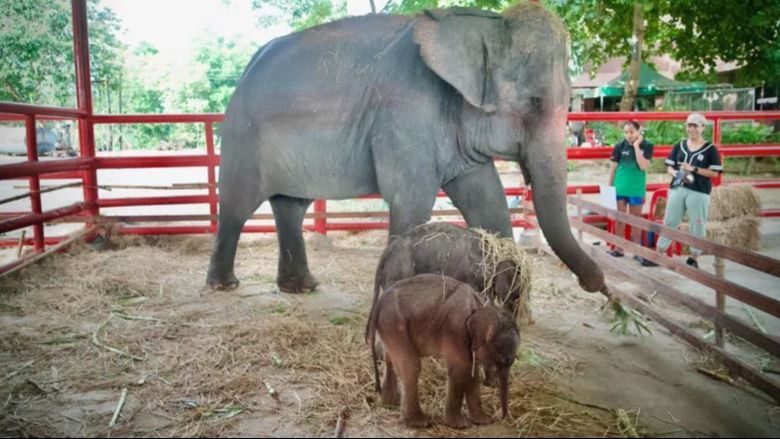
[458, 253]
[435, 315]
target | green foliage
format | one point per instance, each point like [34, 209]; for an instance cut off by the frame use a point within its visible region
[746, 133]
[745, 32]
[415, 6]
[300, 14]
[36, 49]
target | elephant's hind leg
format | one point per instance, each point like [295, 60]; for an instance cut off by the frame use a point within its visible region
[293, 273]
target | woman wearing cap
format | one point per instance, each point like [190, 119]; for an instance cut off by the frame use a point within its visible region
[630, 160]
[692, 164]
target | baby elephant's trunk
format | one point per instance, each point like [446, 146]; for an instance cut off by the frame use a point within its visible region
[504, 391]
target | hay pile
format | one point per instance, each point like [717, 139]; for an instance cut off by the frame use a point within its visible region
[215, 365]
[496, 250]
[733, 201]
[734, 217]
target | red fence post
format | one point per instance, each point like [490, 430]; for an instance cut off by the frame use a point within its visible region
[84, 99]
[35, 182]
[320, 224]
[716, 141]
[212, 176]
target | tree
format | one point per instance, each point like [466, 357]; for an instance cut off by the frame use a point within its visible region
[300, 14]
[415, 6]
[695, 32]
[36, 48]
[637, 39]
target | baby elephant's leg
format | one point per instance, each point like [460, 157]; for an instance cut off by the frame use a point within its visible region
[458, 375]
[406, 363]
[474, 402]
[390, 395]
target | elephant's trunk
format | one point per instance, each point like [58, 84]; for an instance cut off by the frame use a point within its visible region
[504, 391]
[544, 160]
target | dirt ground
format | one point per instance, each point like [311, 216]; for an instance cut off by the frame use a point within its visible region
[80, 327]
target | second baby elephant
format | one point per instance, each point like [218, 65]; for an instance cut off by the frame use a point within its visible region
[434, 315]
[461, 254]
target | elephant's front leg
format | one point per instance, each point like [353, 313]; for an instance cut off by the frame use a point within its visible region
[293, 274]
[480, 197]
[458, 377]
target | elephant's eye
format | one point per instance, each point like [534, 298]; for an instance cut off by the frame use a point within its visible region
[536, 103]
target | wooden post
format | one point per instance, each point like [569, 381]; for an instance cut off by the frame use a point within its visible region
[21, 245]
[720, 300]
[579, 214]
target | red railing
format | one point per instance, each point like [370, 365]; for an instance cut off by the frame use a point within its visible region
[86, 166]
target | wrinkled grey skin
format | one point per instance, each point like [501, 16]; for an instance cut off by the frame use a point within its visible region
[434, 315]
[449, 250]
[401, 106]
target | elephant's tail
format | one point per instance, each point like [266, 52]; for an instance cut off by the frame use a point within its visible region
[378, 280]
[371, 339]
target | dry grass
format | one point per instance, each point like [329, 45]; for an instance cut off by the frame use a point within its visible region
[210, 361]
[741, 232]
[496, 250]
[732, 201]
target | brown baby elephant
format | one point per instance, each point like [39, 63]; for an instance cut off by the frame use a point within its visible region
[435, 315]
[458, 253]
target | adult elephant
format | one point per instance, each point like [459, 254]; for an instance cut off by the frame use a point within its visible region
[399, 105]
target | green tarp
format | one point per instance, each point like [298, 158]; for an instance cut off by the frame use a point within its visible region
[650, 84]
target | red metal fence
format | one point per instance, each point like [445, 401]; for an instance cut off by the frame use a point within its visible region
[86, 166]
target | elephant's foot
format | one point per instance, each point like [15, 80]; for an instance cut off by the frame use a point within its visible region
[222, 283]
[390, 396]
[297, 284]
[456, 421]
[418, 420]
[479, 417]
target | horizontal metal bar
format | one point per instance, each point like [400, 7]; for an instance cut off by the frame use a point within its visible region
[662, 151]
[32, 219]
[5, 243]
[672, 115]
[156, 118]
[173, 161]
[28, 169]
[152, 201]
[41, 110]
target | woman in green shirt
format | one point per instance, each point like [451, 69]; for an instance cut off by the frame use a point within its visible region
[630, 160]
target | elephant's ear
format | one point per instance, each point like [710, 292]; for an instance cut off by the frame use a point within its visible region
[481, 327]
[458, 44]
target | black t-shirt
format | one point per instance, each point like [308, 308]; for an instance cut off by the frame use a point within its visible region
[706, 157]
[624, 152]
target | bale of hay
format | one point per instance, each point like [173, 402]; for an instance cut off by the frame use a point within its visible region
[740, 232]
[496, 250]
[733, 201]
[660, 208]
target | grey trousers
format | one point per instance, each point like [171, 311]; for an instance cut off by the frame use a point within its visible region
[697, 205]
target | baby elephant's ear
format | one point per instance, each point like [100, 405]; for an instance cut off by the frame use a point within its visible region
[481, 327]
[502, 284]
